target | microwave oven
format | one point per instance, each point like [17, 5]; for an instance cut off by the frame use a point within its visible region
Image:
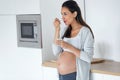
[29, 33]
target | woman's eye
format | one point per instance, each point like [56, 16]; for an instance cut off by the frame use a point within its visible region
[64, 14]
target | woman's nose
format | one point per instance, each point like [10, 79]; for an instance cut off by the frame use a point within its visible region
[62, 18]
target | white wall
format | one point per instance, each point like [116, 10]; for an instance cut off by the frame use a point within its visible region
[104, 18]
[17, 63]
[50, 11]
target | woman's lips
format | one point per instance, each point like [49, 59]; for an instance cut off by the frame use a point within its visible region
[64, 21]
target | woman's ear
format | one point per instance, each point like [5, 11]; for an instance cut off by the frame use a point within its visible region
[75, 13]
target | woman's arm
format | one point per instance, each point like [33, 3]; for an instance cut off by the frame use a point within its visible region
[56, 49]
[57, 30]
[87, 51]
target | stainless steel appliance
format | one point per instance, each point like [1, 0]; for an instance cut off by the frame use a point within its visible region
[29, 30]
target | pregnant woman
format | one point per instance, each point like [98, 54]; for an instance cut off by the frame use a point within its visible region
[75, 48]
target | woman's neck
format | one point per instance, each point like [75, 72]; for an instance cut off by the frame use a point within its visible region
[75, 25]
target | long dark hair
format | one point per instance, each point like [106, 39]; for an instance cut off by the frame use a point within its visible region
[73, 6]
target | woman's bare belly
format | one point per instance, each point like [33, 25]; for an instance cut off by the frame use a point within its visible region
[66, 63]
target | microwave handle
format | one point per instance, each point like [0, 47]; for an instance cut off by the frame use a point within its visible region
[35, 36]
[35, 32]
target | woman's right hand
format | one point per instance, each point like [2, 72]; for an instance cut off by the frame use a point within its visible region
[57, 24]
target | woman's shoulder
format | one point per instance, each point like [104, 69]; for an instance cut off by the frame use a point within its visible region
[84, 30]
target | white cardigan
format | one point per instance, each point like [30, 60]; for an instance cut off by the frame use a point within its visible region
[85, 43]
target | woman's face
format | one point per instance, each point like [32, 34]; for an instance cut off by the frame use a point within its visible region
[67, 16]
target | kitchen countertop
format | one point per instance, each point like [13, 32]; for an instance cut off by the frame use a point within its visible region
[107, 67]
[98, 66]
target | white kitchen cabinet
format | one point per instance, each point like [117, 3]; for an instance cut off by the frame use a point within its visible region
[50, 73]
[7, 6]
[99, 76]
[96, 76]
[27, 6]
[110, 77]
[19, 6]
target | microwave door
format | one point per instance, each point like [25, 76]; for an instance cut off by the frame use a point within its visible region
[27, 30]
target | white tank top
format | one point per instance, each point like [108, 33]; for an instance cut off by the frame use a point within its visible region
[75, 41]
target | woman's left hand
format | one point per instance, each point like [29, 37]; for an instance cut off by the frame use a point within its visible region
[64, 44]
[70, 47]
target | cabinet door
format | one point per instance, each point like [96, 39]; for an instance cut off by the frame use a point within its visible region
[27, 6]
[111, 77]
[96, 76]
[20, 6]
[7, 6]
[50, 73]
